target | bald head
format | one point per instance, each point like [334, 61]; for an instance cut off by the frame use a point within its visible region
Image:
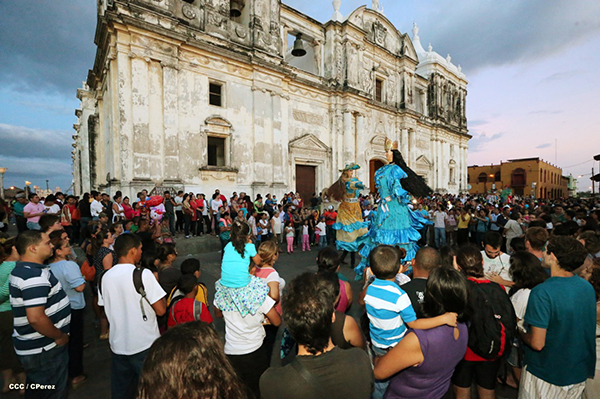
[427, 259]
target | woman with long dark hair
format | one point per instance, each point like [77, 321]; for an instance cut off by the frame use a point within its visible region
[350, 228]
[428, 357]
[526, 272]
[104, 259]
[394, 223]
[188, 362]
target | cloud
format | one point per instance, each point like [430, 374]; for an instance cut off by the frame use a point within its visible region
[545, 145]
[560, 76]
[477, 122]
[35, 143]
[478, 142]
[47, 45]
[546, 112]
[37, 170]
[479, 34]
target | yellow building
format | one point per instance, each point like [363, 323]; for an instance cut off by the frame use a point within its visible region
[526, 177]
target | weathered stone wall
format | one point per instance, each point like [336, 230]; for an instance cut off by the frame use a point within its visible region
[149, 91]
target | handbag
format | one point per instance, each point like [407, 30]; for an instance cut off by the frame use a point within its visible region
[65, 216]
[88, 272]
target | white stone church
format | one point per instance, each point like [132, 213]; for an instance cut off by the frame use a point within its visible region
[254, 96]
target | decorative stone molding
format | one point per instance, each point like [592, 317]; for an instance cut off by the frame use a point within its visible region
[218, 173]
[307, 117]
[188, 11]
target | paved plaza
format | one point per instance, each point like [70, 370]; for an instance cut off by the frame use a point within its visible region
[97, 354]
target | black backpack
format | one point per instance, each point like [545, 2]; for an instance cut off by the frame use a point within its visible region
[139, 288]
[492, 324]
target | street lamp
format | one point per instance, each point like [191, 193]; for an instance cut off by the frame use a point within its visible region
[2, 172]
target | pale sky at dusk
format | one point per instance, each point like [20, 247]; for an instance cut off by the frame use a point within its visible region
[531, 66]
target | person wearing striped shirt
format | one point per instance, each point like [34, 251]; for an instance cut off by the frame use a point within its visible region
[389, 308]
[42, 314]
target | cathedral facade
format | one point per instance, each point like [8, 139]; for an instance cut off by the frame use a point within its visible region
[254, 96]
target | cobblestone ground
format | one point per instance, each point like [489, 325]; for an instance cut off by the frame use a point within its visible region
[97, 354]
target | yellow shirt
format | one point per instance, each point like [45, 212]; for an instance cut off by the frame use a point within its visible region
[464, 224]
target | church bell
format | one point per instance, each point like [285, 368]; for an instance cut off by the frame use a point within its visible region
[236, 7]
[298, 50]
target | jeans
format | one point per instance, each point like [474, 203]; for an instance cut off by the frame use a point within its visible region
[33, 226]
[76, 343]
[180, 219]
[206, 220]
[379, 386]
[322, 241]
[21, 224]
[440, 237]
[125, 373]
[46, 368]
[187, 221]
[83, 223]
[330, 235]
[290, 244]
[171, 218]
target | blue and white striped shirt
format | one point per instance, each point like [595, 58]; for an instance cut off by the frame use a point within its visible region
[33, 285]
[389, 309]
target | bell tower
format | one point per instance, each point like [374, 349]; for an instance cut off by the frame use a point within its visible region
[251, 22]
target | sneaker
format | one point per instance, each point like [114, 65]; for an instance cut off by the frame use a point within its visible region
[187, 236]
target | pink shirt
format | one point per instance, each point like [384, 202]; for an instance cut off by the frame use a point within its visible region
[34, 208]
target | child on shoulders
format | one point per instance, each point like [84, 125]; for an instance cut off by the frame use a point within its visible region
[237, 256]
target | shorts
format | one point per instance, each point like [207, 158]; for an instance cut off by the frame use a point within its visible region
[484, 373]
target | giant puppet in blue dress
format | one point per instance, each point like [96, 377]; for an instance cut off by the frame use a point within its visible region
[393, 222]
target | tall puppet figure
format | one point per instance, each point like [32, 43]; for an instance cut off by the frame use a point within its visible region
[350, 227]
[394, 223]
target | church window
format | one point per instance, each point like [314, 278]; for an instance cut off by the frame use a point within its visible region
[215, 94]
[378, 90]
[497, 176]
[216, 151]
[452, 177]
[482, 177]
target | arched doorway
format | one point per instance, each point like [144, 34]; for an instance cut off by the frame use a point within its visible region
[374, 164]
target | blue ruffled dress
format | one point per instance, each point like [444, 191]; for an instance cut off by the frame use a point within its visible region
[393, 222]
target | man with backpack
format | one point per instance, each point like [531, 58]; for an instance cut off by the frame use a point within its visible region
[492, 324]
[560, 350]
[132, 298]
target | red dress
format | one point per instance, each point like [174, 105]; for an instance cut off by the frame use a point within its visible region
[194, 206]
[128, 211]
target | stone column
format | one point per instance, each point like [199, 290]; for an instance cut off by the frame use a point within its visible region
[435, 163]
[404, 146]
[465, 164]
[349, 138]
[446, 167]
[360, 154]
[171, 121]
[439, 164]
[412, 145]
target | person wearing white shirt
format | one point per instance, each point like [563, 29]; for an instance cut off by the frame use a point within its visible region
[178, 208]
[96, 207]
[496, 264]
[215, 204]
[133, 324]
[440, 226]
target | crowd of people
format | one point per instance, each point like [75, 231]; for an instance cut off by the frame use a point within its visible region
[500, 290]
